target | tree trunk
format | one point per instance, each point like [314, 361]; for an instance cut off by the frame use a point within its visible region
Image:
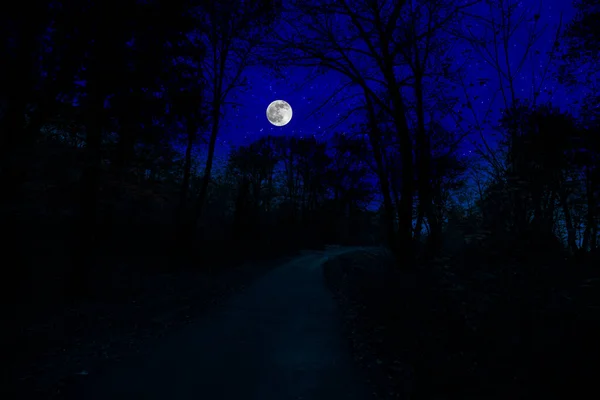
[425, 181]
[594, 240]
[388, 208]
[419, 224]
[434, 238]
[395, 182]
[405, 217]
[407, 192]
[569, 222]
[208, 168]
[187, 171]
[387, 200]
[590, 220]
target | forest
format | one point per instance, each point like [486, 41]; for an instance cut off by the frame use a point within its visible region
[110, 118]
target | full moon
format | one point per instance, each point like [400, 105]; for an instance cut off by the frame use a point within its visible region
[279, 113]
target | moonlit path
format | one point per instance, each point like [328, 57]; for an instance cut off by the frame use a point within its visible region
[280, 339]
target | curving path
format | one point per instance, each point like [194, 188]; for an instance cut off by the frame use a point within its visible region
[279, 339]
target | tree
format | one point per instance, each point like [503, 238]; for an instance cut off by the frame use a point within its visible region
[492, 36]
[545, 139]
[120, 69]
[579, 69]
[424, 47]
[582, 33]
[253, 167]
[381, 40]
[586, 159]
[96, 54]
[307, 191]
[230, 31]
[350, 181]
[22, 36]
[319, 42]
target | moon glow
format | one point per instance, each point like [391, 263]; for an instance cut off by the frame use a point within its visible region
[279, 113]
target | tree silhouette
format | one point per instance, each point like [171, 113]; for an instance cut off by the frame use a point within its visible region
[22, 37]
[326, 46]
[545, 138]
[583, 34]
[231, 31]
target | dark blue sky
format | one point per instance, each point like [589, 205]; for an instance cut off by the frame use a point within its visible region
[248, 122]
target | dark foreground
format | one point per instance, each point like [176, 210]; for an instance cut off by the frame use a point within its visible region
[481, 328]
[278, 339]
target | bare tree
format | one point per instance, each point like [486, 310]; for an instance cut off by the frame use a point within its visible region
[579, 68]
[423, 47]
[361, 40]
[231, 31]
[492, 36]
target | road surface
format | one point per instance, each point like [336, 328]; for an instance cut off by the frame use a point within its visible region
[279, 339]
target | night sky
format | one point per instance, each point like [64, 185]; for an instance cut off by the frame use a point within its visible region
[248, 122]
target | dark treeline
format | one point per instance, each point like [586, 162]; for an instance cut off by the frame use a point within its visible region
[104, 106]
